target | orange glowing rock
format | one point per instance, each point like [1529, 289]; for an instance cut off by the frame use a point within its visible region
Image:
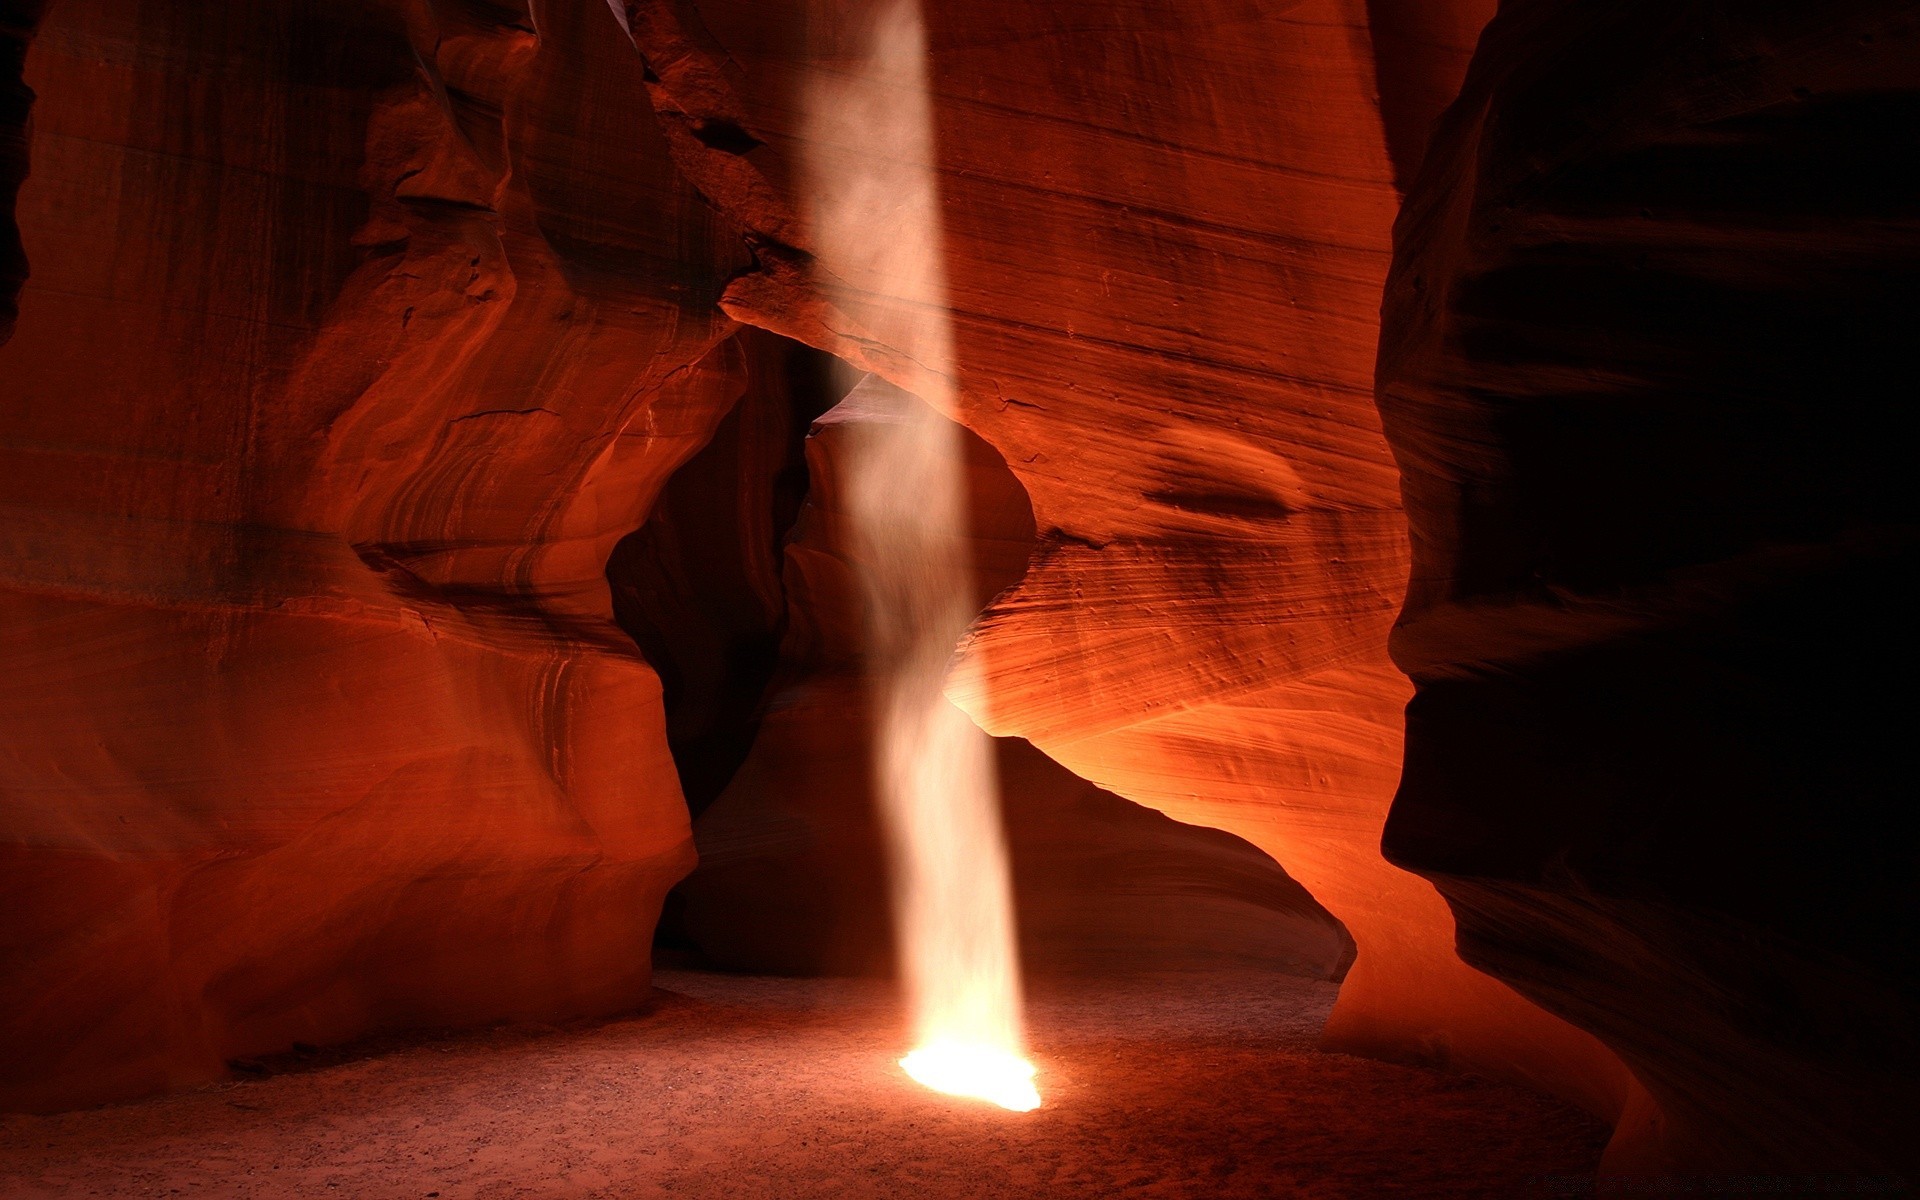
[319, 424]
[1167, 235]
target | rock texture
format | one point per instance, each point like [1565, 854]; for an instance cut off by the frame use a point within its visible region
[352, 337]
[793, 876]
[699, 586]
[1167, 227]
[355, 337]
[1650, 326]
[1420, 54]
[18, 21]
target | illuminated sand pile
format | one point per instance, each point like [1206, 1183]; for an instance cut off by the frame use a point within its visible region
[875, 210]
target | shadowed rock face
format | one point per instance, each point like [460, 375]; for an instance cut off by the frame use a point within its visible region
[18, 21]
[1420, 52]
[699, 586]
[356, 335]
[1167, 227]
[404, 322]
[793, 877]
[1650, 328]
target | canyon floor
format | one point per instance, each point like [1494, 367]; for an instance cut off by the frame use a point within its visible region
[728, 1086]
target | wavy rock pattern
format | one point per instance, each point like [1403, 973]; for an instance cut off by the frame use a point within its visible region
[1651, 319]
[699, 586]
[793, 876]
[356, 335]
[1167, 229]
[355, 338]
[19, 19]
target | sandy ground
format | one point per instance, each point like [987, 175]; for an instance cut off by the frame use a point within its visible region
[1190, 1086]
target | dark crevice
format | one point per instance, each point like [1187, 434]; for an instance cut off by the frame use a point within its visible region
[725, 136]
[698, 587]
[18, 21]
[768, 722]
[1420, 51]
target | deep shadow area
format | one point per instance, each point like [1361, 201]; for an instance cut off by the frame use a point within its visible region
[741, 589]
[793, 877]
[698, 586]
[1641, 386]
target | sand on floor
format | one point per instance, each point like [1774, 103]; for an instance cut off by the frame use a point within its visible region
[728, 1086]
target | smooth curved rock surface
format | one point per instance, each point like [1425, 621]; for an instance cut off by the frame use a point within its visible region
[19, 19]
[358, 334]
[793, 876]
[699, 586]
[355, 337]
[1167, 227]
[1650, 326]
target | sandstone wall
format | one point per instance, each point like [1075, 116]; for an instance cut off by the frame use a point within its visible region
[1167, 227]
[356, 334]
[793, 876]
[1649, 332]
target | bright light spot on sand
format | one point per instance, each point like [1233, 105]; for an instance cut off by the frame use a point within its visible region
[978, 1072]
[870, 171]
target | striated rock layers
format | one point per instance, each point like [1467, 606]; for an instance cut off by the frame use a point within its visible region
[1650, 328]
[699, 587]
[357, 334]
[355, 337]
[1167, 228]
[793, 877]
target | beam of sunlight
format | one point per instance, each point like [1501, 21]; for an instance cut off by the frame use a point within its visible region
[870, 176]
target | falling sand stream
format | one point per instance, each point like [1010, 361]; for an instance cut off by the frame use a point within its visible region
[875, 215]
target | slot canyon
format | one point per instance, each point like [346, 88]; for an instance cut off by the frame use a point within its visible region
[537, 532]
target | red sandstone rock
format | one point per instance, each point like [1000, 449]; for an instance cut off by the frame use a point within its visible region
[18, 21]
[348, 349]
[355, 338]
[793, 873]
[357, 335]
[1650, 323]
[699, 586]
[793, 877]
[1166, 232]
[1420, 53]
